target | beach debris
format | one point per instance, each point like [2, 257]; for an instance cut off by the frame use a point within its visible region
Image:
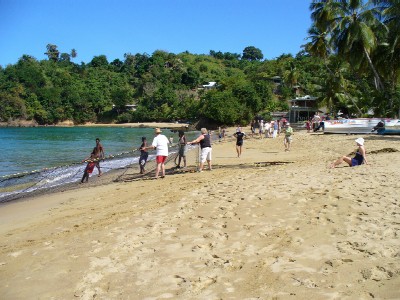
[271, 163]
[384, 150]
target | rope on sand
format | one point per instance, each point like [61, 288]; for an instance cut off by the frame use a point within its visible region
[271, 163]
[150, 166]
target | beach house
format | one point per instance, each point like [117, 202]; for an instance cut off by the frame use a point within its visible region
[302, 108]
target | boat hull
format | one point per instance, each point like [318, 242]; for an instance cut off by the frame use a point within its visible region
[350, 126]
[359, 126]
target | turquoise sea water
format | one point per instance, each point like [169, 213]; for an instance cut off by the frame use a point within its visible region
[35, 150]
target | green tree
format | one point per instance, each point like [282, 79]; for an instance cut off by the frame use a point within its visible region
[52, 52]
[252, 53]
[191, 78]
[121, 96]
[352, 26]
[99, 62]
[73, 53]
[11, 107]
[221, 107]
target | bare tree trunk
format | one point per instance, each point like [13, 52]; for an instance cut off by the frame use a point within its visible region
[378, 83]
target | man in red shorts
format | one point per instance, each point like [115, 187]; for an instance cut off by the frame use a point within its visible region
[160, 143]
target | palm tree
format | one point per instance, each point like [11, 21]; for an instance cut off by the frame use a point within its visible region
[350, 25]
[334, 90]
[323, 16]
[319, 45]
[291, 75]
[387, 56]
[323, 13]
[391, 52]
[73, 53]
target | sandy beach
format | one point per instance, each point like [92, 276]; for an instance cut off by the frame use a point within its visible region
[269, 225]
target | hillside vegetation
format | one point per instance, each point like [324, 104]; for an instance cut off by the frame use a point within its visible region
[351, 62]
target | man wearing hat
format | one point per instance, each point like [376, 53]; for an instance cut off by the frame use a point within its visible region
[160, 143]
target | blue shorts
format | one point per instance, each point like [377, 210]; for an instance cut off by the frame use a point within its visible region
[355, 162]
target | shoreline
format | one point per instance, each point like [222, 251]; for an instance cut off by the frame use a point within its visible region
[169, 125]
[271, 224]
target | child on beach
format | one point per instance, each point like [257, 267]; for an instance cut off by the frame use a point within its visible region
[182, 149]
[91, 163]
[143, 155]
[308, 126]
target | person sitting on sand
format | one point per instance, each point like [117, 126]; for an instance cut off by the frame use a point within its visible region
[91, 163]
[359, 159]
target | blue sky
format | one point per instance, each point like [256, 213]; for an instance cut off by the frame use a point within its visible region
[116, 27]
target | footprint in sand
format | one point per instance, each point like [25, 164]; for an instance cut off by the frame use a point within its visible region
[377, 274]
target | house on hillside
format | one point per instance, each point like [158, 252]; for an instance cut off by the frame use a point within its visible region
[302, 108]
[277, 81]
[210, 85]
[128, 107]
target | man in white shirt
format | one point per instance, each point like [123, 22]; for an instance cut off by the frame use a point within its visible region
[160, 142]
[316, 119]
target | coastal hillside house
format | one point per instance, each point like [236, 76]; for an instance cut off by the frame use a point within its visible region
[277, 81]
[302, 108]
[210, 85]
[128, 107]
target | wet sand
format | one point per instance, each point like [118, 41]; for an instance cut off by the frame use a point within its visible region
[269, 225]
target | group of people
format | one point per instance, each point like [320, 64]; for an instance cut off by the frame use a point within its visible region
[316, 123]
[270, 129]
[285, 127]
[161, 144]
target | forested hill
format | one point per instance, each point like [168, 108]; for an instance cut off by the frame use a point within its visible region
[169, 87]
[351, 62]
[163, 86]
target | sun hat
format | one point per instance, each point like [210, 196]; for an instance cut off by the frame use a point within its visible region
[157, 130]
[360, 141]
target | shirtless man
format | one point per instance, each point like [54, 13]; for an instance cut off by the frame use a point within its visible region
[98, 151]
